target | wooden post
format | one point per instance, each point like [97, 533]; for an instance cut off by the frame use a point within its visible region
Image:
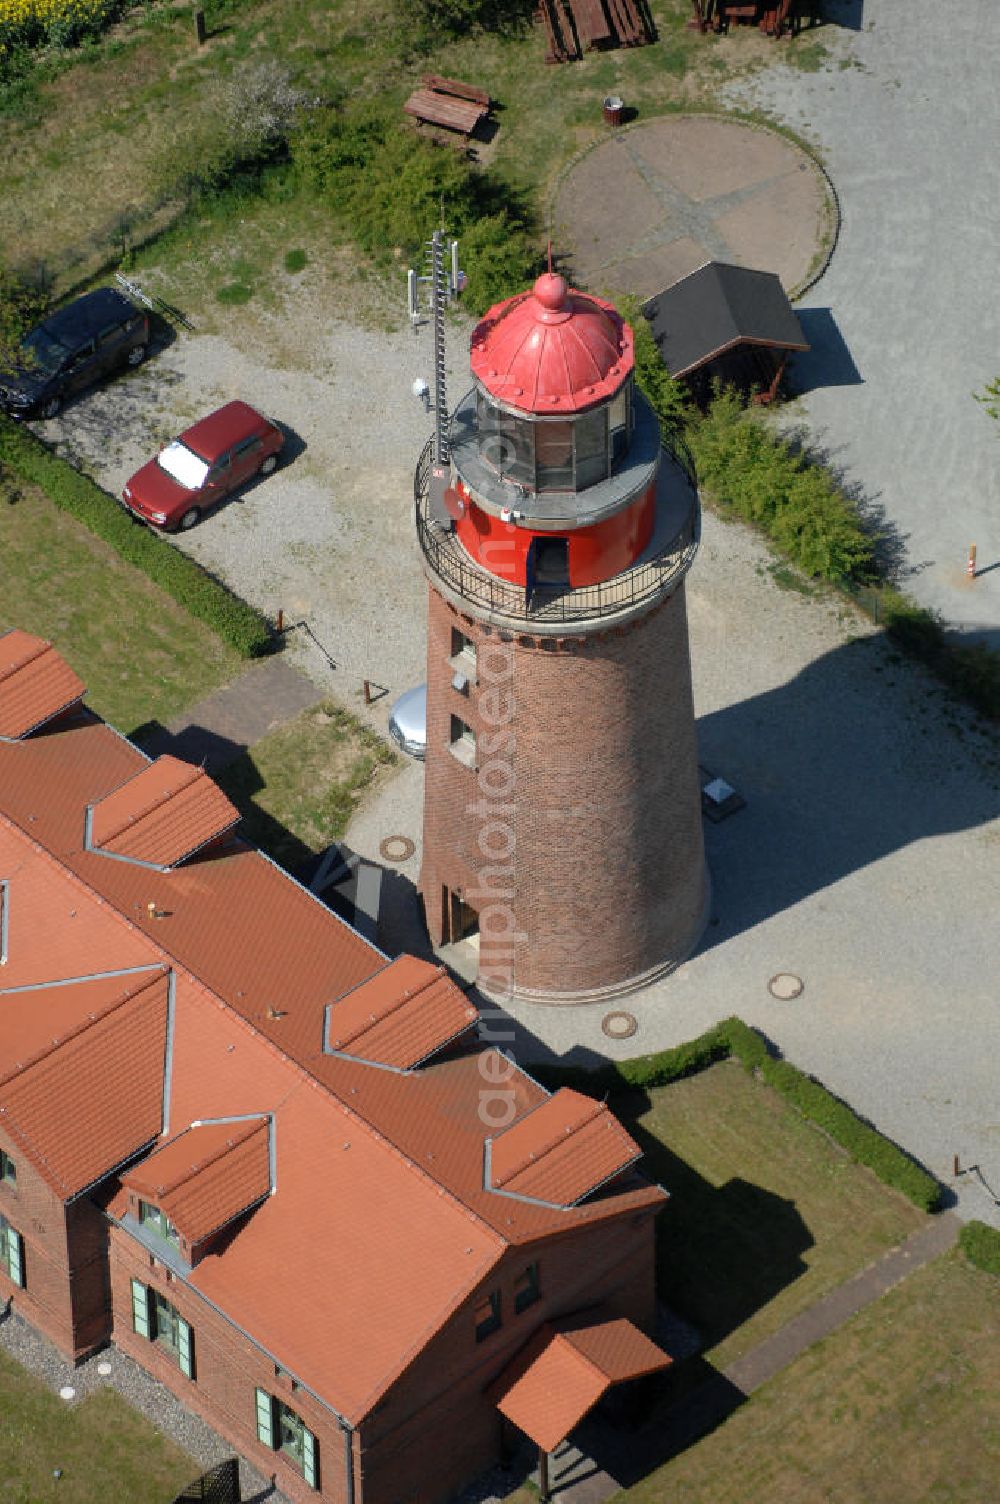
[199, 27]
[543, 1475]
[368, 691]
[281, 620]
[970, 568]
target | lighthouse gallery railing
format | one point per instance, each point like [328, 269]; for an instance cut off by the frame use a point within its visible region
[453, 566]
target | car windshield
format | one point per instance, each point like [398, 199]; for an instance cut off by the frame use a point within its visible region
[42, 351]
[183, 465]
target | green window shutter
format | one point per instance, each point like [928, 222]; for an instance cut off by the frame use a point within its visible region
[310, 1458]
[15, 1256]
[140, 1309]
[185, 1347]
[265, 1418]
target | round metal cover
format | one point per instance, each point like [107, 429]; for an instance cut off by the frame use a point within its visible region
[619, 1025]
[104, 1369]
[396, 848]
[785, 985]
[67, 1392]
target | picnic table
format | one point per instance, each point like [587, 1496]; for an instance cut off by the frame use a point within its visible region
[449, 103]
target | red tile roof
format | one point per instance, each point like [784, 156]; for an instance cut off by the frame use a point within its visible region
[87, 1101]
[561, 1374]
[161, 815]
[400, 1016]
[560, 1152]
[383, 1170]
[35, 683]
[208, 1175]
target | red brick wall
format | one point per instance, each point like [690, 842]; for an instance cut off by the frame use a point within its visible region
[593, 773]
[437, 1428]
[228, 1368]
[65, 1265]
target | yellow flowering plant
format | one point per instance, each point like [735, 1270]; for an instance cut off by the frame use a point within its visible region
[59, 23]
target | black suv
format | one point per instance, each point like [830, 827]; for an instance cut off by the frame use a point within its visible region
[98, 334]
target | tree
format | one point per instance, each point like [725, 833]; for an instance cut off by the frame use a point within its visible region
[990, 398]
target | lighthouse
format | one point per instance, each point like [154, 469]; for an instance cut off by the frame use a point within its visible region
[563, 859]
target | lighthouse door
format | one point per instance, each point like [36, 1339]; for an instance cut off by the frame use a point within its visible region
[548, 562]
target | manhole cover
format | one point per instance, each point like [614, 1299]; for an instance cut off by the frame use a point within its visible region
[104, 1369]
[619, 1025]
[67, 1392]
[785, 985]
[396, 848]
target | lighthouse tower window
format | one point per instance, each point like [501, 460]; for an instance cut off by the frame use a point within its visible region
[554, 454]
[591, 447]
[620, 414]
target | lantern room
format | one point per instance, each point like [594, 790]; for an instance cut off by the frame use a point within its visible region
[555, 451]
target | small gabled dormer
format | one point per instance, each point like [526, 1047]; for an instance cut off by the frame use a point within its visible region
[561, 1152]
[198, 1183]
[398, 1018]
[160, 817]
[36, 684]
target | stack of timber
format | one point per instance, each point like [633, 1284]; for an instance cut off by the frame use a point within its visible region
[573, 27]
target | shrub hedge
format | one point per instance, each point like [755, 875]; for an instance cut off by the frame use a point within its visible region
[981, 1245]
[205, 597]
[732, 1037]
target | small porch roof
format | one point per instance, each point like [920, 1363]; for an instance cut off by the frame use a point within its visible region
[565, 1369]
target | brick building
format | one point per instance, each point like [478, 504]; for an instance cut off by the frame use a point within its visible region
[266, 1160]
[563, 855]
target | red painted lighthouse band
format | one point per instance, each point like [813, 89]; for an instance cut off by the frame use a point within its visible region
[595, 553]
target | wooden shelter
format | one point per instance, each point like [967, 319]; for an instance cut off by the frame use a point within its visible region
[726, 324]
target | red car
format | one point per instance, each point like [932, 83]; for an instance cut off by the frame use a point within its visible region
[208, 461]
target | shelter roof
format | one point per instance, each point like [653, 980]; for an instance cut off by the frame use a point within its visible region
[164, 813]
[36, 683]
[208, 1175]
[563, 1150]
[552, 350]
[400, 1016]
[719, 306]
[563, 1372]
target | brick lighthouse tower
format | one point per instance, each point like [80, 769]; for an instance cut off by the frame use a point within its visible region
[563, 857]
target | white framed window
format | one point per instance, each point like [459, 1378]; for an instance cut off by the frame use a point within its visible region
[11, 1252]
[8, 1170]
[463, 742]
[154, 1318]
[155, 1220]
[283, 1430]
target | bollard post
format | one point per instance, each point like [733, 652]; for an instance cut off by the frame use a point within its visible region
[199, 27]
[954, 1168]
[368, 692]
[970, 568]
[281, 620]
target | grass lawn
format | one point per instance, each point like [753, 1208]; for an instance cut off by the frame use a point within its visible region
[106, 1450]
[766, 1214]
[132, 116]
[298, 787]
[900, 1406]
[139, 653]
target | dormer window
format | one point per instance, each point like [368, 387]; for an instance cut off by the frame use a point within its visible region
[159, 1223]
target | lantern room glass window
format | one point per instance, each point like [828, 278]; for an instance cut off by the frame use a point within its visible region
[555, 454]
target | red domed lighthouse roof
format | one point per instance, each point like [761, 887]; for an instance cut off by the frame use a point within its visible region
[552, 350]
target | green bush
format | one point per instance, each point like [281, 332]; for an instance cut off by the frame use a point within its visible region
[393, 190]
[22, 304]
[981, 1246]
[733, 1037]
[753, 474]
[192, 587]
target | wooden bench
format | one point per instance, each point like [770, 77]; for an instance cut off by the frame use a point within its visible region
[455, 87]
[462, 115]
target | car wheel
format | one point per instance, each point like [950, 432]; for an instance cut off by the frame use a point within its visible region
[137, 355]
[269, 465]
[52, 407]
[189, 519]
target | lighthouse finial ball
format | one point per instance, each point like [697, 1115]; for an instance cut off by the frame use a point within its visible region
[550, 290]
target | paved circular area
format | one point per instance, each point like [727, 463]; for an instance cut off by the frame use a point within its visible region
[652, 203]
